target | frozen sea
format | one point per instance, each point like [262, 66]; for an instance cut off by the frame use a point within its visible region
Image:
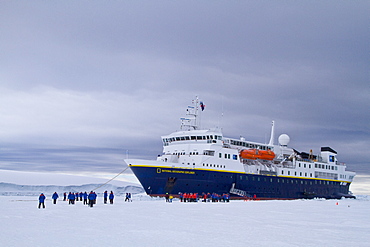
[152, 222]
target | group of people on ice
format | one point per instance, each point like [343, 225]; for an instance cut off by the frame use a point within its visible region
[87, 198]
[204, 197]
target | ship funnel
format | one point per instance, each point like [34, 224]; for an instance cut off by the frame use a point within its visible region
[272, 137]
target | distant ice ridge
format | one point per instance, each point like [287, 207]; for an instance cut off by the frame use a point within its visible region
[10, 189]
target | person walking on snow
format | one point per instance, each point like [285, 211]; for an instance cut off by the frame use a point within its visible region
[128, 197]
[42, 200]
[55, 197]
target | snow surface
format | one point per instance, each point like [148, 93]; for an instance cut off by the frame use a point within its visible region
[153, 222]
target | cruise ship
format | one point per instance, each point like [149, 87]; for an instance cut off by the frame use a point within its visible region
[196, 160]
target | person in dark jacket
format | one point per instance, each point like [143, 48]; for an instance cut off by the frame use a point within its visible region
[42, 200]
[105, 197]
[64, 196]
[55, 197]
[111, 197]
[128, 197]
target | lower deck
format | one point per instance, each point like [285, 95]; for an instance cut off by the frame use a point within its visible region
[161, 180]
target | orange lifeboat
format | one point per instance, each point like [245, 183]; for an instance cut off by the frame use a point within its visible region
[253, 154]
[266, 155]
[250, 154]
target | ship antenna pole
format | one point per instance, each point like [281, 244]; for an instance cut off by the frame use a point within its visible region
[272, 137]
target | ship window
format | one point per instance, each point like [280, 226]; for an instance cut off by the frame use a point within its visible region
[220, 155]
[300, 174]
[235, 157]
[304, 165]
[193, 138]
[309, 166]
[288, 172]
[282, 171]
[225, 156]
[228, 156]
[305, 174]
[299, 164]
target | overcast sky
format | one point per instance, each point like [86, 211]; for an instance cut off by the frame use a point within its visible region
[83, 84]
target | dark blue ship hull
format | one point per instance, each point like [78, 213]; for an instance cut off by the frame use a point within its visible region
[157, 181]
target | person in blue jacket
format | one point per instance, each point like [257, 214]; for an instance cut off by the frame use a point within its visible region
[111, 197]
[85, 198]
[42, 200]
[92, 198]
[55, 197]
[71, 198]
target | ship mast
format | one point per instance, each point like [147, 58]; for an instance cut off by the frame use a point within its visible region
[190, 122]
[272, 137]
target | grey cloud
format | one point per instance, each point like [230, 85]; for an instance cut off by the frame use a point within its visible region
[115, 74]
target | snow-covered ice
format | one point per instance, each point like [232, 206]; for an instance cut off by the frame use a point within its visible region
[151, 222]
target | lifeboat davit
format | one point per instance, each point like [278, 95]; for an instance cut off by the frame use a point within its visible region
[253, 154]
